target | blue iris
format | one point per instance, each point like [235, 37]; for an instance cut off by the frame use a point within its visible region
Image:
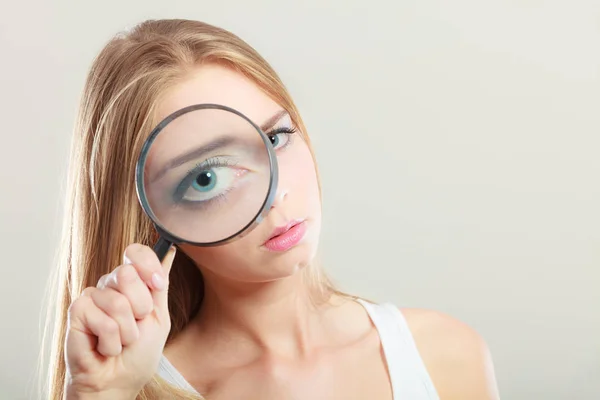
[205, 181]
[274, 140]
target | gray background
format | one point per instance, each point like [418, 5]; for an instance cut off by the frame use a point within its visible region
[458, 143]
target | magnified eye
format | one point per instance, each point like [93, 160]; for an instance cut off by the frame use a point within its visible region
[207, 181]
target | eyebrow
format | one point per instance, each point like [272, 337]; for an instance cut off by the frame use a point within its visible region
[212, 146]
[194, 154]
[270, 123]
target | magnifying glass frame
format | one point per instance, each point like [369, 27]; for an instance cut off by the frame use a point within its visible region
[166, 238]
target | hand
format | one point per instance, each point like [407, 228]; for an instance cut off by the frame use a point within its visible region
[117, 330]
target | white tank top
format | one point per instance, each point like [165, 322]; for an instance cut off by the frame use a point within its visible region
[408, 375]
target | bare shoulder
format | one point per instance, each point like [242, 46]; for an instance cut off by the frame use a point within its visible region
[455, 355]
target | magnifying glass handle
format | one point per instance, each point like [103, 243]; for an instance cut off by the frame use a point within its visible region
[161, 247]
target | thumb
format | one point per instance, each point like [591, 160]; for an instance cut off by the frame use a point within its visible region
[160, 291]
[167, 262]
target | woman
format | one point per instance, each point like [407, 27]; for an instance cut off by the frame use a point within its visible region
[244, 320]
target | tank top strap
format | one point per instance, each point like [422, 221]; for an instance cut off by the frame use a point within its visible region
[408, 374]
[168, 372]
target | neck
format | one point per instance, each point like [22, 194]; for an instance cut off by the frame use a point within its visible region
[277, 317]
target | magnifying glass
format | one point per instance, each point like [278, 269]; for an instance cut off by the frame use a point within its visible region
[206, 176]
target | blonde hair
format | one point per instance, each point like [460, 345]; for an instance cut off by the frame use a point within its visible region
[102, 214]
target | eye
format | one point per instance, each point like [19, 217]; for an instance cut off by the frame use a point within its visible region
[281, 137]
[277, 139]
[208, 184]
[207, 181]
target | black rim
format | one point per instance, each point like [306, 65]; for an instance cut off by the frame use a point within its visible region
[139, 177]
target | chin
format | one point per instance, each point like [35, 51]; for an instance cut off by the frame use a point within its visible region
[280, 265]
[289, 263]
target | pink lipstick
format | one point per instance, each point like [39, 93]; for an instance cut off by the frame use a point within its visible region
[286, 237]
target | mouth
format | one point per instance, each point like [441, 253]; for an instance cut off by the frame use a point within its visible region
[287, 236]
[280, 230]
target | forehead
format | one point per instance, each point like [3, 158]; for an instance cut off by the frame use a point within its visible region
[219, 85]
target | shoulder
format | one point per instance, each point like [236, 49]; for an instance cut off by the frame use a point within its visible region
[455, 355]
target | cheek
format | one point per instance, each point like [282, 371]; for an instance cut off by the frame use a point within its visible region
[297, 171]
[298, 176]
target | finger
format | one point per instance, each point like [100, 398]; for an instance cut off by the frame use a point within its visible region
[117, 307]
[125, 280]
[102, 281]
[86, 318]
[161, 298]
[146, 264]
[80, 342]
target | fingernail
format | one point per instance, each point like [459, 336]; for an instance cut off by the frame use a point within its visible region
[158, 281]
[126, 260]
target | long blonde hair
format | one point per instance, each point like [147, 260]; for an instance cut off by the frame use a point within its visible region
[102, 215]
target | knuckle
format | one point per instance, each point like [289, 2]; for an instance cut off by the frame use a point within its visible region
[118, 303]
[142, 256]
[133, 251]
[141, 304]
[124, 274]
[148, 260]
[145, 304]
[79, 305]
[132, 248]
[109, 326]
[102, 281]
[88, 291]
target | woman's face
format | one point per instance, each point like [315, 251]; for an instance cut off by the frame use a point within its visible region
[255, 258]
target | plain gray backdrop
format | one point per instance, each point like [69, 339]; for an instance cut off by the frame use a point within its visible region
[458, 143]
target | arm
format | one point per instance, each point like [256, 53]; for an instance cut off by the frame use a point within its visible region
[456, 356]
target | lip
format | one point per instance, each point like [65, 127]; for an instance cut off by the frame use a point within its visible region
[284, 228]
[285, 237]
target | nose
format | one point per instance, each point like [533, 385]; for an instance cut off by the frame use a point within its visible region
[280, 197]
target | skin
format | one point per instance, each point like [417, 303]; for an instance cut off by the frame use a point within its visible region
[257, 331]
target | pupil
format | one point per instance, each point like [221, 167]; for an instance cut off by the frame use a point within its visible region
[204, 178]
[274, 140]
